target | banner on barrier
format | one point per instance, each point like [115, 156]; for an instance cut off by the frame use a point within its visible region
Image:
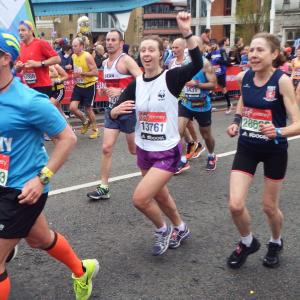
[231, 84]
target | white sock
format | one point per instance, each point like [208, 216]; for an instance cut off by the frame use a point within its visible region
[247, 240]
[180, 227]
[276, 241]
[161, 229]
[183, 159]
[211, 154]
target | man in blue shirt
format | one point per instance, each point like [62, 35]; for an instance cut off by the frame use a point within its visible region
[25, 171]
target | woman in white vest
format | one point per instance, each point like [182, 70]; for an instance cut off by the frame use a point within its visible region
[154, 95]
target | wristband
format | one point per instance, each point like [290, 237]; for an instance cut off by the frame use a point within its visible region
[237, 119]
[278, 132]
[43, 64]
[47, 172]
[188, 36]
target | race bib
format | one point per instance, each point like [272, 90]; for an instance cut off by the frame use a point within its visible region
[29, 76]
[4, 166]
[153, 125]
[199, 102]
[253, 117]
[297, 72]
[78, 80]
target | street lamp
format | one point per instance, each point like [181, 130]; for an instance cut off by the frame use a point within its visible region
[272, 16]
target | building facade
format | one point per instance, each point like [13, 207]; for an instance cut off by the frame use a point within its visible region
[222, 18]
[287, 24]
[160, 19]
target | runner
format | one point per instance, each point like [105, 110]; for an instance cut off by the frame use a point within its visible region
[85, 75]
[267, 94]
[25, 172]
[219, 60]
[119, 70]
[58, 75]
[36, 55]
[196, 103]
[154, 95]
[296, 73]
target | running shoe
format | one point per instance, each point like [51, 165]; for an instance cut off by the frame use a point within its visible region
[162, 240]
[228, 110]
[271, 259]
[95, 134]
[211, 163]
[239, 256]
[199, 150]
[182, 167]
[83, 285]
[178, 236]
[12, 254]
[191, 148]
[85, 127]
[101, 192]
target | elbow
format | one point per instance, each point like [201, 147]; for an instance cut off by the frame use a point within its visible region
[57, 60]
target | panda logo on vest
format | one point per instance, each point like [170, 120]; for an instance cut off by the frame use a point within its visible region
[270, 94]
[161, 95]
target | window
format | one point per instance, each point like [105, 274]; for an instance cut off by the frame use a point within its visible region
[227, 7]
[286, 2]
[203, 8]
[193, 8]
[227, 31]
[104, 20]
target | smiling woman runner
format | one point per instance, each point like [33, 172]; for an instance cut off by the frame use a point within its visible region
[154, 95]
[267, 96]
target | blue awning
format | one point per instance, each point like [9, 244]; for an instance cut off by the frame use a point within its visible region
[66, 7]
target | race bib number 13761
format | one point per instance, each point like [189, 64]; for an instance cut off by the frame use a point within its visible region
[4, 166]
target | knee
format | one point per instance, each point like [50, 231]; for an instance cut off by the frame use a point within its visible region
[139, 202]
[132, 150]
[269, 209]
[72, 107]
[236, 207]
[107, 150]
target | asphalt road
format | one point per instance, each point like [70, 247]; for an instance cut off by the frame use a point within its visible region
[117, 235]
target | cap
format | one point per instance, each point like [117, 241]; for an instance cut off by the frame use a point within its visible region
[9, 44]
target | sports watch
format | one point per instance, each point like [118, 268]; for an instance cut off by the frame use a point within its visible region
[278, 132]
[45, 175]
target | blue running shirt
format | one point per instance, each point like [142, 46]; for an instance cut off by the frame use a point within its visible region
[25, 115]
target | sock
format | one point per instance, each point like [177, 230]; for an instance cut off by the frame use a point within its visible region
[161, 229]
[247, 240]
[276, 241]
[4, 286]
[63, 252]
[183, 159]
[180, 227]
[227, 99]
[211, 154]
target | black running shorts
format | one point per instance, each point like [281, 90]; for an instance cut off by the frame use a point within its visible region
[275, 164]
[203, 117]
[85, 95]
[221, 80]
[16, 219]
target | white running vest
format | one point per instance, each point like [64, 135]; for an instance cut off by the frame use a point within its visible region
[113, 78]
[156, 114]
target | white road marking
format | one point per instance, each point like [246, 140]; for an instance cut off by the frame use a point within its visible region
[127, 176]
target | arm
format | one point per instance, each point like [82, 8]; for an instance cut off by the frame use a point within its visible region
[287, 91]
[210, 76]
[125, 103]
[132, 66]
[62, 73]
[93, 71]
[233, 128]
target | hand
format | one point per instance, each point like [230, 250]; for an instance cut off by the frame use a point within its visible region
[68, 67]
[232, 130]
[31, 191]
[184, 21]
[124, 108]
[113, 92]
[268, 130]
[32, 64]
[77, 74]
[192, 83]
[19, 65]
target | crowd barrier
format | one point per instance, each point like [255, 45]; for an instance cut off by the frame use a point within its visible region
[101, 100]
